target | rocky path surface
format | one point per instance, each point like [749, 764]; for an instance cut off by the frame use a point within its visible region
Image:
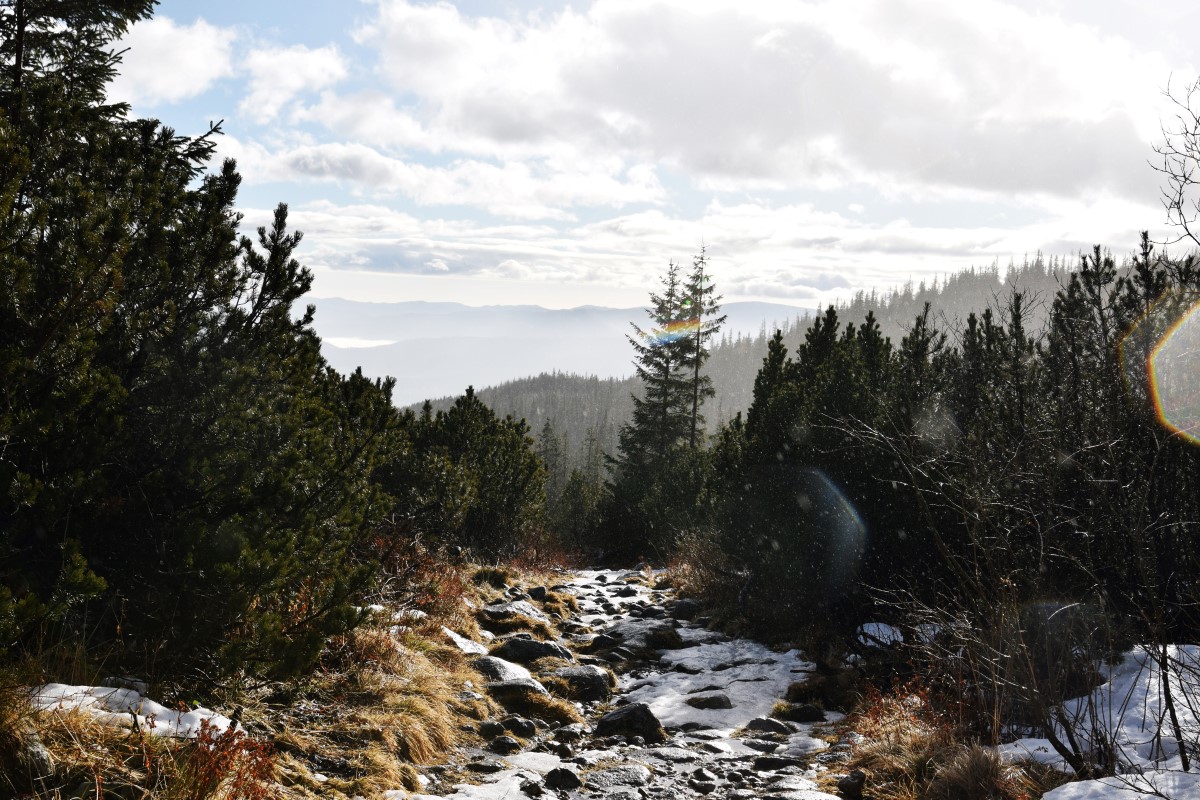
[689, 716]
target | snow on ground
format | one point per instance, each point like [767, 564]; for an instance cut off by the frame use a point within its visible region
[122, 707]
[1130, 710]
[752, 676]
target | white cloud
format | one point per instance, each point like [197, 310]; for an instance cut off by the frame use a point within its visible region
[278, 74]
[742, 95]
[167, 62]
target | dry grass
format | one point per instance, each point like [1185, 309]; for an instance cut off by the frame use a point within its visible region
[496, 577]
[543, 707]
[910, 752]
[560, 603]
[516, 623]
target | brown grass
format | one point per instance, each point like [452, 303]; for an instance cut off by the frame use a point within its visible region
[560, 603]
[911, 752]
[496, 577]
[515, 624]
[543, 707]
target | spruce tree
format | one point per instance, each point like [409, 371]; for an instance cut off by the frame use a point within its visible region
[702, 303]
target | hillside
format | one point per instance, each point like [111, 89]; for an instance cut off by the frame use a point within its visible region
[577, 401]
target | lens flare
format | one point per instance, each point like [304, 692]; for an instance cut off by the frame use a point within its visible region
[1174, 376]
[845, 535]
[679, 329]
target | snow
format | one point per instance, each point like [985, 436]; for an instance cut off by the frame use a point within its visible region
[122, 706]
[1129, 710]
[751, 675]
[879, 634]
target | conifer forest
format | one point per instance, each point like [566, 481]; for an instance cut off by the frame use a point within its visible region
[963, 506]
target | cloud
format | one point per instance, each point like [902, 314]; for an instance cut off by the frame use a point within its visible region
[524, 190]
[278, 74]
[168, 63]
[900, 94]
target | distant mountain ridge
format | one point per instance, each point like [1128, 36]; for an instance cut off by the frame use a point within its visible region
[438, 349]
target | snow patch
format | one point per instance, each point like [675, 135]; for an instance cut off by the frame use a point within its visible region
[124, 707]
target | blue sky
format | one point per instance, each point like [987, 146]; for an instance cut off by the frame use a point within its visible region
[561, 153]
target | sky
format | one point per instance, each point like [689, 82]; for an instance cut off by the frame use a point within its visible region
[562, 153]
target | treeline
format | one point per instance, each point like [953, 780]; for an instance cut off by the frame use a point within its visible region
[580, 408]
[1004, 466]
[185, 485]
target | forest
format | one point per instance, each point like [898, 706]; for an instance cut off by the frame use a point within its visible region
[190, 494]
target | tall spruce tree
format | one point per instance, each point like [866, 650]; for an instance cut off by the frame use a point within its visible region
[702, 303]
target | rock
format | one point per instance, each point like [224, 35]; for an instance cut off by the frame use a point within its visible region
[702, 774]
[538, 593]
[512, 609]
[525, 651]
[710, 701]
[761, 745]
[685, 608]
[703, 787]
[490, 729]
[34, 756]
[562, 778]
[603, 641]
[768, 725]
[588, 683]
[626, 775]
[627, 591]
[562, 750]
[635, 719]
[570, 733]
[502, 690]
[497, 669]
[772, 763]
[464, 644]
[505, 745]
[806, 712]
[485, 767]
[851, 786]
[520, 726]
[531, 788]
[673, 754]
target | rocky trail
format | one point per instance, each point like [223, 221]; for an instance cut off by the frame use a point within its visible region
[690, 715]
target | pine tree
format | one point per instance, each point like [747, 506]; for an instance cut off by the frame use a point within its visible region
[702, 303]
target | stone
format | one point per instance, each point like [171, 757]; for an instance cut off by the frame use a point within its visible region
[531, 788]
[702, 774]
[538, 593]
[625, 775]
[520, 726]
[703, 787]
[806, 712]
[522, 608]
[502, 690]
[525, 651]
[490, 729]
[851, 786]
[505, 745]
[570, 733]
[761, 745]
[635, 719]
[685, 608]
[34, 756]
[485, 767]
[710, 701]
[772, 763]
[627, 591]
[464, 644]
[588, 683]
[562, 778]
[497, 669]
[673, 754]
[768, 725]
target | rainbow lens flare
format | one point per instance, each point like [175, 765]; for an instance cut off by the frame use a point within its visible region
[1173, 368]
[674, 331]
